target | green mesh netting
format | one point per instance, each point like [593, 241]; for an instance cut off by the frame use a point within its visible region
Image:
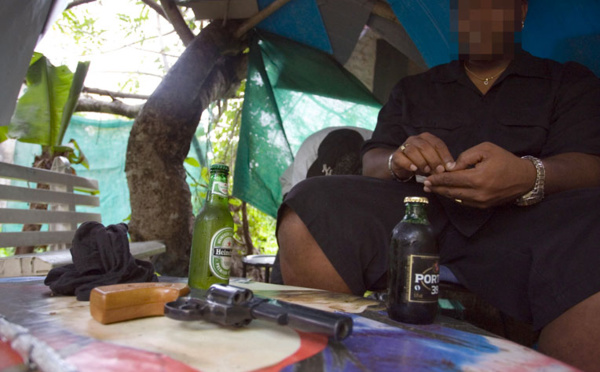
[104, 143]
[292, 91]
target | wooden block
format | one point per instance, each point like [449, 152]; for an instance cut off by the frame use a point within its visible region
[119, 302]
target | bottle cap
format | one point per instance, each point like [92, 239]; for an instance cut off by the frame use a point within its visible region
[219, 168]
[416, 199]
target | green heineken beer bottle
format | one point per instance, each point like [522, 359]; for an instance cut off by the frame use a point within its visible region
[414, 271]
[212, 242]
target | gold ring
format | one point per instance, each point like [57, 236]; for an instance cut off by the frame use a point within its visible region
[459, 201]
[403, 147]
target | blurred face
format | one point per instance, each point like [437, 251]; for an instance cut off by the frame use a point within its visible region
[487, 29]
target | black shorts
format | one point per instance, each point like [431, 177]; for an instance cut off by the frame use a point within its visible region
[533, 263]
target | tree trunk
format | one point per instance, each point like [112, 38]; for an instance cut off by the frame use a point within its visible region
[160, 138]
[246, 231]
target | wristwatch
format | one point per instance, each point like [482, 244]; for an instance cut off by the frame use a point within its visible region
[537, 193]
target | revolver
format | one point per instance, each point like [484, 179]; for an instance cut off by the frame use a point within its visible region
[226, 305]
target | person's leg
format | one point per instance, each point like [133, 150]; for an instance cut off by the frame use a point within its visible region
[574, 336]
[539, 266]
[302, 261]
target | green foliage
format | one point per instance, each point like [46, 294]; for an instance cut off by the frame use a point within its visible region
[262, 230]
[126, 29]
[133, 25]
[261, 226]
[76, 155]
[44, 111]
[198, 182]
[81, 25]
[3, 133]
[131, 85]
[223, 131]
[218, 135]
[193, 162]
[5, 252]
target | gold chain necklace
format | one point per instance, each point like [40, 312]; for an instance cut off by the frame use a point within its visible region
[486, 81]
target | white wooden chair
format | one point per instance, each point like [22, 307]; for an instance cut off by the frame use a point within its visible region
[61, 217]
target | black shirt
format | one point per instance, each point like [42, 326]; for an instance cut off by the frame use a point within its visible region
[536, 107]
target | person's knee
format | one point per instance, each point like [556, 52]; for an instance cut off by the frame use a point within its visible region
[291, 238]
[287, 231]
[573, 336]
[302, 261]
[285, 219]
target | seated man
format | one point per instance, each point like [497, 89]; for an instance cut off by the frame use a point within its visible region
[333, 150]
[509, 146]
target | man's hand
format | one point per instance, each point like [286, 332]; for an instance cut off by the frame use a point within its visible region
[484, 176]
[424, 154]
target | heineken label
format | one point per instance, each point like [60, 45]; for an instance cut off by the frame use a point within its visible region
[221, 246]
[424, 278]
[219, 188]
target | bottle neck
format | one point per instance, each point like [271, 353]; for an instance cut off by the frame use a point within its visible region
[217, 189]
[416, 213]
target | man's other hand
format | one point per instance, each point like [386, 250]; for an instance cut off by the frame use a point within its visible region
[484, 176]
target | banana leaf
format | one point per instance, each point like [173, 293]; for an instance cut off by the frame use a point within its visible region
[43, 112]
[3, 133]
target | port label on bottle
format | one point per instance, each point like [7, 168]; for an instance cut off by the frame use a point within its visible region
[221, 246]
[424, 279]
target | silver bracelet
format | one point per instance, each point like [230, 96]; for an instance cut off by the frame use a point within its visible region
[394, 176]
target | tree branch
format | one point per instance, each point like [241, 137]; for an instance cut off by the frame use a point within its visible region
[176, 19]
[156, 6]
[75, 3]
[258, 17]
[112, 94]
[115, 107]
[383, 9]
[246, 231]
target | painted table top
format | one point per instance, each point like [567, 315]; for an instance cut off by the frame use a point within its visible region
[63, 336]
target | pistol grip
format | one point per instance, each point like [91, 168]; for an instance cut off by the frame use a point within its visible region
[119, 302]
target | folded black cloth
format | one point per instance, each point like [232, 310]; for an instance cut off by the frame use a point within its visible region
[101, 256]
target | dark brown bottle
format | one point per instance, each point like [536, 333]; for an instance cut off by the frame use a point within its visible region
[414, 272]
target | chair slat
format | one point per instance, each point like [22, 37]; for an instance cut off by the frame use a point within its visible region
[35, 216]
[35, 238]
[29, 195]
[18, 172]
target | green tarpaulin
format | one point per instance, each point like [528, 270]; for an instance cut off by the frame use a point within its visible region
[292, 91]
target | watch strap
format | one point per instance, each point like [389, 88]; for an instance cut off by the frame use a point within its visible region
[537, 193]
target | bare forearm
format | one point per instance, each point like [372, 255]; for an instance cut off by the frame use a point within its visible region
[375, 164]
[571, 171]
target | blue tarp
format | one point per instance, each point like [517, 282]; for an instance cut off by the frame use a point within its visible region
[557, 29]
[269, 137]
